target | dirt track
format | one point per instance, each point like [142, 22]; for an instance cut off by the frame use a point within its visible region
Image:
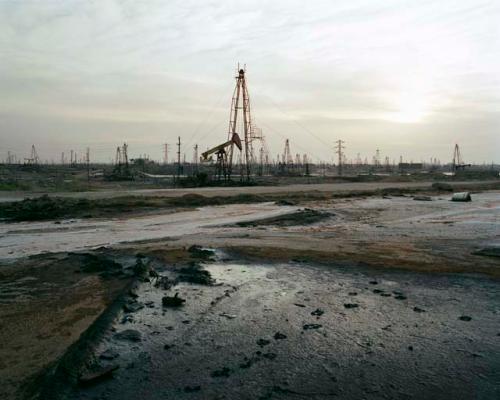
[231, 191]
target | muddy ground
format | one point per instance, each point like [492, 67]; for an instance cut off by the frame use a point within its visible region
[428, 327]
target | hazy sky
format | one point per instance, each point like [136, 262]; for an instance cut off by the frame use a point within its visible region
[407, 77]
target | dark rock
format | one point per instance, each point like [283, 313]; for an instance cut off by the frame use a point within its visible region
[373, 283]
[168, 346]
[129, 334]
[422, 198]
[279, 336]
[224, 372]
[465, 318]
[377, 291]
[385, 294]
[353, 293]
[191, 389]
[318, 312]
[109, 354]
[270, 356]
[307, 327]
[418, 309]
[400, 297]
[410, 348]
[195, 274]
[351, 305]
[298, 305]
[488, 251]
[99, 375]
[172, 301]
[199, 252]
[263, 342]
[133, 306]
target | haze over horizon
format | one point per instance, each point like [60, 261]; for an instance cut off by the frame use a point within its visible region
[408, 78]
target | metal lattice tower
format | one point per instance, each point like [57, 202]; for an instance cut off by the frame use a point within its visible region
[240, 95]
[338, 149]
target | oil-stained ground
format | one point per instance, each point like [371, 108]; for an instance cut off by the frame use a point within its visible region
[377, 297]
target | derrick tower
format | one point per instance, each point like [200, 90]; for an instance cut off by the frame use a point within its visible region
[241, 101]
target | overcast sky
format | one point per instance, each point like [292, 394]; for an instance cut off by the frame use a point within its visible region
[410, 78]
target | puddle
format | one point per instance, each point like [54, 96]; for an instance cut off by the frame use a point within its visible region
[30, 238]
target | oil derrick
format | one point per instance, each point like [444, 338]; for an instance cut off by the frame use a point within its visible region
[121, 169]
[387, 164]
[250, 134]
[297, 159]
[376, 158]
[33, 158]
[287, 155]
[338, 149]
[457, 162]
[305, 163]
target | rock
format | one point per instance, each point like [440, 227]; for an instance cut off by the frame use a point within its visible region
[191, 389]
[99, 375]
[373, 283]
[109, 354]
[298, 305]
[400, 297]
[263, 342]
[133, 306]
[422, 198]
[129, 334]
[127, 318]
[199, 252]
[270, 356]
[279, 336]
[168, 346]
[224, 372]
[410, 348]
[353, 293]
[351, 305]
[284, 202]
[175, 301]
[377, 291]
[385, 294]
[307, 327]
[418, 309]
[488, 251]
[318, 312]
[195, 274]
[465, 318]
[228, 316]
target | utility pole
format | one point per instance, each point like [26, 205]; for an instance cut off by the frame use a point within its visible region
[179, 157]
[165, 154]
[338, 149]
[195, 156]
[87, 159]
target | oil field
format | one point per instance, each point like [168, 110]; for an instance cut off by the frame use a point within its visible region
[250, 251]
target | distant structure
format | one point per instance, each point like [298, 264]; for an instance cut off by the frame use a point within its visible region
[33, 158]
[338, 149]
[457, 162]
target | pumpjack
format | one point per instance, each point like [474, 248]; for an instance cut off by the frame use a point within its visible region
[223, 165]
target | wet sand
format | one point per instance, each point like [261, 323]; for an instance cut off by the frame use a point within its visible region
[302, 331]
